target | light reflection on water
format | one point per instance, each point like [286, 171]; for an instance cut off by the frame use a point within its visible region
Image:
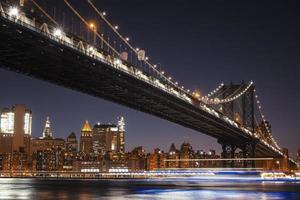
[146, 189]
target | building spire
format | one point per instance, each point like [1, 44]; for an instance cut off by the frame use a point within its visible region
[47, 133]
[86, 127]
[121, 124]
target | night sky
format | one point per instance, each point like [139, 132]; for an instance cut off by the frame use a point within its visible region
[201, 44]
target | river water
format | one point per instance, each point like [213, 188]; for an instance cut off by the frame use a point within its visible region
[147, 189]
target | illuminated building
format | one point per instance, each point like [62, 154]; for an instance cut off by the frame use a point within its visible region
[298, 155]
[86, 139]
[45, 144]
[186, 152]
[156, 160]
[109, 137]
[71, 152]
[47, 133]
[173, 155]
[47, 153]
[15, 129]
[136, 159]
[72, 144]
[49, 160]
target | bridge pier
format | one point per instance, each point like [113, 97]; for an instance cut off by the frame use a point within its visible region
[228, 151]
[249, 152]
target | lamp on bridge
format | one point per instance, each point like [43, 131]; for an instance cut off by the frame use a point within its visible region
[57, 33]
[93, 27]
[13, 12]
[196, 94]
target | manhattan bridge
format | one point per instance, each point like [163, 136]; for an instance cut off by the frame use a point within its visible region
[60, 45]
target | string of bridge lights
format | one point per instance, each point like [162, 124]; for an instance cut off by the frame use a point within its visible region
[214, 91]
[126, 40]
[227, 100]
[264, 120]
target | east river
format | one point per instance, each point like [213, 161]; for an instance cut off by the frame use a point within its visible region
[11, 188]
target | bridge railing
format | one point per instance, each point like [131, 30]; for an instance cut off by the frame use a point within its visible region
[105, 57]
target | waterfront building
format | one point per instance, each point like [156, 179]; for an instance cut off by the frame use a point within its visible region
[15, 129]
[70, 156]
[186, 152]
[46, 142]
[49, 160]
[298, 156]
[86, 139]
[173, 155]
[156, 160]
[136, 159]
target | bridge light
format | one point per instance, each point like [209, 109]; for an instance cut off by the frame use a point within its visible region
[92, 26]
[13, 12]
[196, 94]
[57, 33]
[116, 27]
[117, 62]
[91, 49]
[127, 39]
[104, 13]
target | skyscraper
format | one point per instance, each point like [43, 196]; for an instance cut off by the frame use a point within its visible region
[71, 144]
[47, 133]
[15, 129]
[109, 137]
[86, 139]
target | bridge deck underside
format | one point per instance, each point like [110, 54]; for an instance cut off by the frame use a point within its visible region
[35, 55]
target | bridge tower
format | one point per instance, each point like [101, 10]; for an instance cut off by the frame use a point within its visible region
[240, 110]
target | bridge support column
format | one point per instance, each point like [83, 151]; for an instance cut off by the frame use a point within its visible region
[249, 152]
[228, 151]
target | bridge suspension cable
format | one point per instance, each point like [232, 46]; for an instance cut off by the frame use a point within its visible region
[44, 12]
[264, 121]
[230, 98]
[126, 41]
[214, 91]
[87, 24]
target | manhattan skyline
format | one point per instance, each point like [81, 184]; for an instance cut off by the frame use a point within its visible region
[244, 51]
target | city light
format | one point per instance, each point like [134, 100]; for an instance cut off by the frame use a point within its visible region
[159, 83]
[13, 12]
